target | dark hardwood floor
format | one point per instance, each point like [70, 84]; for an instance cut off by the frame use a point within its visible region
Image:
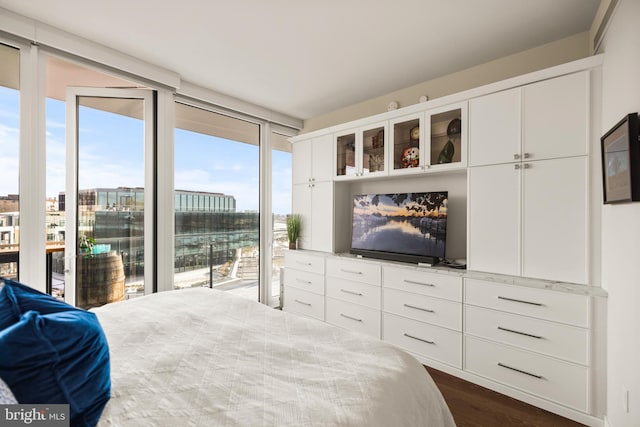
[476, 406]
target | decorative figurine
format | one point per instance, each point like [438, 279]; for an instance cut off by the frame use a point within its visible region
[453, 132]
[410, 157]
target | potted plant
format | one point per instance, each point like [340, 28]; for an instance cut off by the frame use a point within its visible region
[294, 222]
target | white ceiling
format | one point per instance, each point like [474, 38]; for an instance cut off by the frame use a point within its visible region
[305, 58]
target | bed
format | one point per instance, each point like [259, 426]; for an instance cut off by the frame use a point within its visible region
[204, 357]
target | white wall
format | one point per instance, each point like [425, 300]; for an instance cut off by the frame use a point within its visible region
[621, 224]
[538, 58]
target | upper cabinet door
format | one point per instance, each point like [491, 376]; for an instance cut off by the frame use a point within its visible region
[406, 145]
[494, 128]
[361, 152]
[301, 167]
[556, 113]
[322, 158]
[446, 137]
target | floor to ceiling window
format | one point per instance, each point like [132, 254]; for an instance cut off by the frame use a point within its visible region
[9, 148]
[281, 206]
[217, 199]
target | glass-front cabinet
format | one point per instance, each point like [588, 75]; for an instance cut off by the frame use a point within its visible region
[446, 137]
[361, 152]
[407, 145]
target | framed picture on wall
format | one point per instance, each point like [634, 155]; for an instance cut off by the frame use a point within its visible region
[620, 161]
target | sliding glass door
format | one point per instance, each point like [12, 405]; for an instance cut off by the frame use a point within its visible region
[109, 201]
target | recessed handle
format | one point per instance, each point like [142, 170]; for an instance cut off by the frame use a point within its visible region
[502, 365]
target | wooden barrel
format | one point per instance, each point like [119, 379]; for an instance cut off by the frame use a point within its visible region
[99, 279]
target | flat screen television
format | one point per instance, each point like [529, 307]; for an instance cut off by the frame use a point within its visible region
[407, 227]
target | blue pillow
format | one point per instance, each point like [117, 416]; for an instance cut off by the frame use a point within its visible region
[16, 299]
[58, 358]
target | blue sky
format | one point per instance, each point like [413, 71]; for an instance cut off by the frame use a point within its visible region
[111, 155]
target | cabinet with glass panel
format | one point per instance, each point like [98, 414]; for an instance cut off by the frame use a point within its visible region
[430, 141]
[361, 152]
[446, 134]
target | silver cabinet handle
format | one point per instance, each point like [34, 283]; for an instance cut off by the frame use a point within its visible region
[413, 282]
[419, 339]
[304, 263]
[306, 282]
[521, 301]
[516, 166]
[526, 166]
[350, 318]
[513, 331]
[350, 292]
[419, 308]
[502, 365]
[527, 155]
[350, 271]
[302, 302]
[516, 157]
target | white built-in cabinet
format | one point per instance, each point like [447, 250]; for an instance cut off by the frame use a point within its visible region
[312, 191]
[519, 320]
[361, 152]
[528, 194]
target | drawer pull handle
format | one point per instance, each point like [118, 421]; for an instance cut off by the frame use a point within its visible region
[350, 271]
[302, 302]
[350, 292]
[538, 337]
[306, 282]
[350, 318]
[308, 264]
[419, 308]
[502, 365]
[521, 301]
[419, 339]
[413, 282]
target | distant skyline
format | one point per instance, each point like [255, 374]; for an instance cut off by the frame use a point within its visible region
[111, 155]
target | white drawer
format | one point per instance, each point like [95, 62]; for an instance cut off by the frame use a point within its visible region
[436, 311]
[354, 270]
[301, 260]
[554, 339]
[432, 342]
[357, 292]
[354, 317]
[303, 302]
[545, 377]
[423, 282]
[304, 280]
[544, 304]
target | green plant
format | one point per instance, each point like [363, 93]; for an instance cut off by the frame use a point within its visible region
[294, 224]
[86, 244]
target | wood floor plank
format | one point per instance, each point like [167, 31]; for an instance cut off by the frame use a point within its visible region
[476, 406]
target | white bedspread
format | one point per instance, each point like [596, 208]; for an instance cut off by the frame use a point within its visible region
[201, 357]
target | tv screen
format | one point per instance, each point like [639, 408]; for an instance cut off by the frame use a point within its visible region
[409, 227]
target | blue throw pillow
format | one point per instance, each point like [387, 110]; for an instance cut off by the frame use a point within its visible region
[58, 358]
[16, 299]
